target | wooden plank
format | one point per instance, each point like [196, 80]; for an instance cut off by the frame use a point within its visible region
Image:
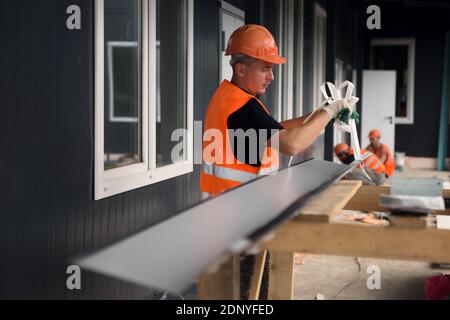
[258, 271]
[326, 204]
[417, 244]
[281, 276]
[366, 199]
[223, 283]
[411, 221]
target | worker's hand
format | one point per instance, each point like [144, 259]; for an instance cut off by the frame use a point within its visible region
[346, 114]
[335, 108]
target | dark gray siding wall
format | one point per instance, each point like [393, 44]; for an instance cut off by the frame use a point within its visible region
[427, 23]
[47, 212]
[206, 64]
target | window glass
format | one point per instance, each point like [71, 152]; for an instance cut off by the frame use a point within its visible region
[171, 26]
[123, 78]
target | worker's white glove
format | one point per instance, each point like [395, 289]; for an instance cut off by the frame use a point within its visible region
[335, 108]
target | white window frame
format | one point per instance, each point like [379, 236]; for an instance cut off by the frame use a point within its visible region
[411, 44]
[130, 177]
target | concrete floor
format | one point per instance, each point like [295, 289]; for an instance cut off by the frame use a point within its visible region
[338, 278]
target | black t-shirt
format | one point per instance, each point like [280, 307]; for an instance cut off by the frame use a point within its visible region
[262, 126]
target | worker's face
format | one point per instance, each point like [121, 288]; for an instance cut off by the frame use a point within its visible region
[345, 157]
[375, 142]
[342, 155]
[256, 76]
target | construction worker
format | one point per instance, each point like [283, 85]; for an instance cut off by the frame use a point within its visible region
[373, 166]
[235, 106]
[382, 151]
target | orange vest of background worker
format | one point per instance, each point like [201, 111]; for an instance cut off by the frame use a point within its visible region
[346, 155]
[221, 168]
[382, 151]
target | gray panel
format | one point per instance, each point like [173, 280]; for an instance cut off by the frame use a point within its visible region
[425, 187]
[205, 232]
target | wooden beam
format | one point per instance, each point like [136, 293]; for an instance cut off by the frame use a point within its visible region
[223, 283]
[427, 244]
[258, 272]
[412, 221]
[281, 277]
[323, 206]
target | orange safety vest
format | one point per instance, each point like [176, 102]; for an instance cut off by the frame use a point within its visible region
[372, 162]
[389, 163]
[221, 170]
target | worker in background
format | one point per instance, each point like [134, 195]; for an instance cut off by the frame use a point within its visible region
[382, 151]
[373, 166]
[236, 105]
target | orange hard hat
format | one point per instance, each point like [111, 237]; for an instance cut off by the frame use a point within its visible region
[375, 133]
[341, 147]
[254, 41]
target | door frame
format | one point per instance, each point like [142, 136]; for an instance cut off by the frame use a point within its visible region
[229, 9]
[365, 130]
[319, 68]
[411, 44]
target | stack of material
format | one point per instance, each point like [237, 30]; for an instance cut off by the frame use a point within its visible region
[357, 217]
[413, 201]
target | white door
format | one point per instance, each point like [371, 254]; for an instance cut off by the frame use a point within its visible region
[231, 19]
[378, 106]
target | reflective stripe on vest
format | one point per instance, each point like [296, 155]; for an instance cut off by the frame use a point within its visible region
[377, 165]
[228, 173]
[205, 195]
[268, 171]
[373, 163]
[368, 162]
[389, 163]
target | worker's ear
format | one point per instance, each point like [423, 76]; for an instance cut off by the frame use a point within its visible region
[240, 69]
